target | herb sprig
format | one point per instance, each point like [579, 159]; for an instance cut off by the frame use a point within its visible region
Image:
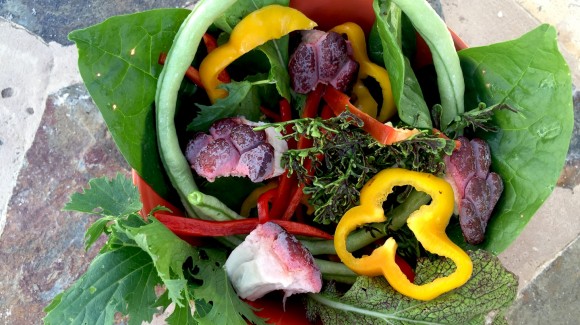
[350, 158]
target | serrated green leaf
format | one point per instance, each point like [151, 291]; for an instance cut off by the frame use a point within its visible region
[168, 253]
[118, 64]
[118, 280]
[181, 316]
[216, 289]
[95, 231]
[373, 301]
[115, 197]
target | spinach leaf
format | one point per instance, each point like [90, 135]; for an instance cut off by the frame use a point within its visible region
[118, 64]
[408, 96]
[529, 151]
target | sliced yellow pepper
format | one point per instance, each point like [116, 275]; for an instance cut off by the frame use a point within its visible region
[251, 201]
[428, 223]
[365, 102]
[265, 24]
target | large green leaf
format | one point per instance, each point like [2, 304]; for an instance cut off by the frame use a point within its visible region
[120, 280]
[371, 300]
[529, 151]
[118, 64]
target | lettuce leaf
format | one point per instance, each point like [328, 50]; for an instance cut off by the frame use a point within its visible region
[489, 292]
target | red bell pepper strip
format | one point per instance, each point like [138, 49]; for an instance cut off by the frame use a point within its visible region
[205, 228]
[383, 133]
[264, 205]
[313, 101]
[270, 114]
[405, 267]
[191, 73]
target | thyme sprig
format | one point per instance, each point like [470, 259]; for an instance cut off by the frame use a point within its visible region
[350, 158]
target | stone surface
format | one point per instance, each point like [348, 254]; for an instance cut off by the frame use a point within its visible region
[22, 100]
[553, 296]
[53, 19]
[42, 248]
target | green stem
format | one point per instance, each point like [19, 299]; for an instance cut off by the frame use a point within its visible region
[361, 238]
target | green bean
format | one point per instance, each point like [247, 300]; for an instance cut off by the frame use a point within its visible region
[211, 206]
[449, 74]
[335, 271]
[361, 238]
[178, 60]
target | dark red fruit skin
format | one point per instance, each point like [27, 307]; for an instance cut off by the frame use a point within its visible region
[322, 58]
[477, 190]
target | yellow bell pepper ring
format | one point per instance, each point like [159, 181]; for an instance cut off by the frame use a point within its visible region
[428, 224]
[367, 68]
[265, 24]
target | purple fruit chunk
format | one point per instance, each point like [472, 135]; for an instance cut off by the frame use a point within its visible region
[217, 158]
[271, 259]
[257, 163]
[476, 189]
[233, 148]
[322, 58]
[245, 138]
[303, 70]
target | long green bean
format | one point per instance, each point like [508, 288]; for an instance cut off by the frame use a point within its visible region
[178, 60]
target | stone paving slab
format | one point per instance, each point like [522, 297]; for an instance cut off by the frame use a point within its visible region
[69, 145]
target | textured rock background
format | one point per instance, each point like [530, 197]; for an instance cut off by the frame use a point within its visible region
[53, 140]
[42, 248]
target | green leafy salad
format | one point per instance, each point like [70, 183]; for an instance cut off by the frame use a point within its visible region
[372, 173]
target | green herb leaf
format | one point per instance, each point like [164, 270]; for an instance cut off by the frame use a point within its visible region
[115, 197]
[108, 198]
[243, 100]
[118, 64]
[139, 256]
[490, 291]
[218, 291]
[529, 150]
[408, 96]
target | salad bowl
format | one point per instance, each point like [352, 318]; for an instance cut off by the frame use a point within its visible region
[516, 98]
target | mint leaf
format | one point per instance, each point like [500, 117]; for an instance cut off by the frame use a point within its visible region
[118, 64]
[490, 291]
[119, 280]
